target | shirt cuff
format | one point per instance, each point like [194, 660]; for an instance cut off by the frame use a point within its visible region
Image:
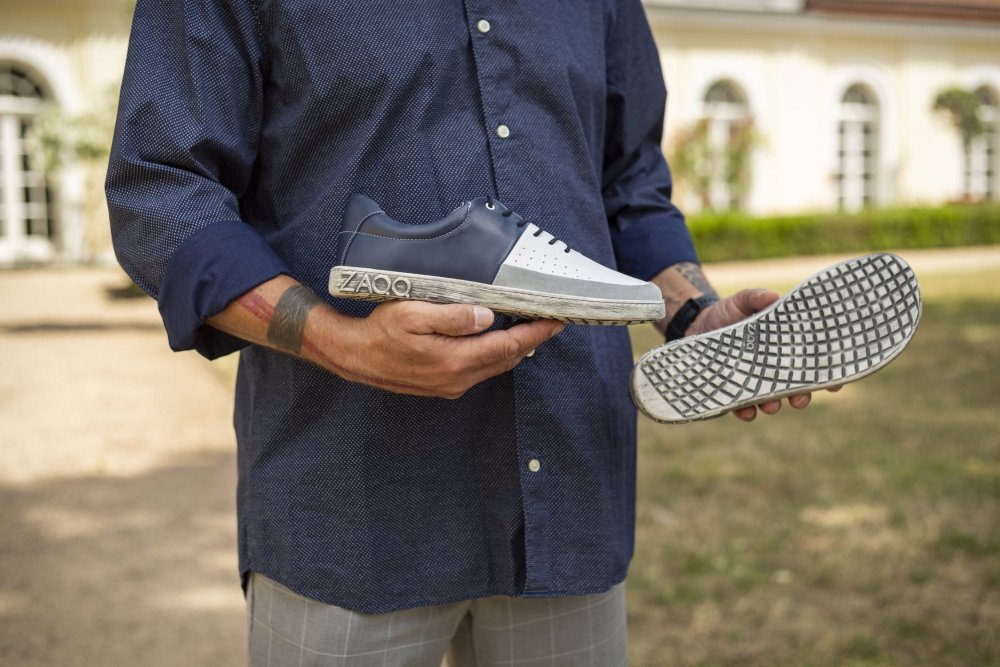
[211, 269]
[647, 244]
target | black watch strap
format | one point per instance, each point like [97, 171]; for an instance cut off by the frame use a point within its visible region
[683, 318]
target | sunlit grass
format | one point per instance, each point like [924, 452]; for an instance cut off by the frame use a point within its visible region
[862, 531]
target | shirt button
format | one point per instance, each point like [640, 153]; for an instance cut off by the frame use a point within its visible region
[534, 465]
[503, 131]
[483, 25]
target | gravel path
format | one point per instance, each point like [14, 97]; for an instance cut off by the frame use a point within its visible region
[117, 479]
[117, 484]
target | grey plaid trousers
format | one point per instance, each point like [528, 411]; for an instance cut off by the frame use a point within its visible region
[288, 630]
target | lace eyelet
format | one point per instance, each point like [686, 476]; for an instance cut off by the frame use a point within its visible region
[490, 206]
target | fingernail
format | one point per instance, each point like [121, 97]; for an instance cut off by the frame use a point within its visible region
[559, 329]
[481, 316]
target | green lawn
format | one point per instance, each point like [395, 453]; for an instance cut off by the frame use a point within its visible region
[862, 531]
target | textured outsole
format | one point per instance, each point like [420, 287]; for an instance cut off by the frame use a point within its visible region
[840, 325]
[372, 285]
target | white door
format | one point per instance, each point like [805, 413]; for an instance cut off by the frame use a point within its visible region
[858, 149]
[27, 214]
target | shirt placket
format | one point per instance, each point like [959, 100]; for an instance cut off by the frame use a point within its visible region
[495, 72]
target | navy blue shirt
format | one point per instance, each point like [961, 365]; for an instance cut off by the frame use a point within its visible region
[243, 128]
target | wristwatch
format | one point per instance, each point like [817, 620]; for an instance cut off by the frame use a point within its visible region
[683, 318]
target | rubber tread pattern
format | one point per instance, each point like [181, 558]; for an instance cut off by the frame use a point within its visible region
[839, 326]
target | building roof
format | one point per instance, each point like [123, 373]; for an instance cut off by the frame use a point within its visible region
[935, 10]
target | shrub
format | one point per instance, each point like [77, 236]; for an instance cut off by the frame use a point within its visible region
[731, 236]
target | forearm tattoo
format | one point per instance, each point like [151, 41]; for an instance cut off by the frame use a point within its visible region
[288, 323]
[692, 273]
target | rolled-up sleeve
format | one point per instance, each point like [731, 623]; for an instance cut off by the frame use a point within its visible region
[647, 230]
[183, 157]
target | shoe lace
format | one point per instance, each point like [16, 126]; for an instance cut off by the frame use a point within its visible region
[522, 222]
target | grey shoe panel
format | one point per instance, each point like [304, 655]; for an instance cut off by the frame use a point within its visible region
[520, 278]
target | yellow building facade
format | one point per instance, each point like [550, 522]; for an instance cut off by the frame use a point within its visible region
[68, 54]
[839, 94]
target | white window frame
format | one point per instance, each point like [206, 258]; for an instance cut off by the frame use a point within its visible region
[876, 79]
[723, 118]
[981, 163]
[53, 69]
[27, 221]
[858, 139]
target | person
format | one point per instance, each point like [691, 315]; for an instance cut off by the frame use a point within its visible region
[413, 478]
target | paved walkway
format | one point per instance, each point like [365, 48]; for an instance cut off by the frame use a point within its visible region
[117, 529]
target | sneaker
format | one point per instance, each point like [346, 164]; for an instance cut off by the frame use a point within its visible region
[837, 327]
[483, 253]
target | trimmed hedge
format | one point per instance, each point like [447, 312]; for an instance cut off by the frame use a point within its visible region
[733, 236]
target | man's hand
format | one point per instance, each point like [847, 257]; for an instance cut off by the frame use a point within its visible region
[730, 310]
[408, 347]
[428, 349]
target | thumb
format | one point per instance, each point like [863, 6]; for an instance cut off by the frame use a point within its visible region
[750, 301]
[458, 319]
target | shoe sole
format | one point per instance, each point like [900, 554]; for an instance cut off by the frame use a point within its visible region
[352, 282]
[840, 325]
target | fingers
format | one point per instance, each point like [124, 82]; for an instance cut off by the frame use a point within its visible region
[749, 413]
[750, 301]
[420, 317]
[732, 309]
[771, 407]
[530, 335]
[456, 320]
[497, 352]
[510, 346]
[442, 350]
[800, 401]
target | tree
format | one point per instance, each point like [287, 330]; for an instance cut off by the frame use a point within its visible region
[84, 142]
[699, 163]
[85, 137]
[962, 106]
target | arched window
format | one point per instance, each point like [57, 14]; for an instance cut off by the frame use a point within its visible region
[27, 223]
[857, 148]
[981, 165]
[729, 126]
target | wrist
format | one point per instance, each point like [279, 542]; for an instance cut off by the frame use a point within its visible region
[692, 309]
[698, 325]
[331, 340]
